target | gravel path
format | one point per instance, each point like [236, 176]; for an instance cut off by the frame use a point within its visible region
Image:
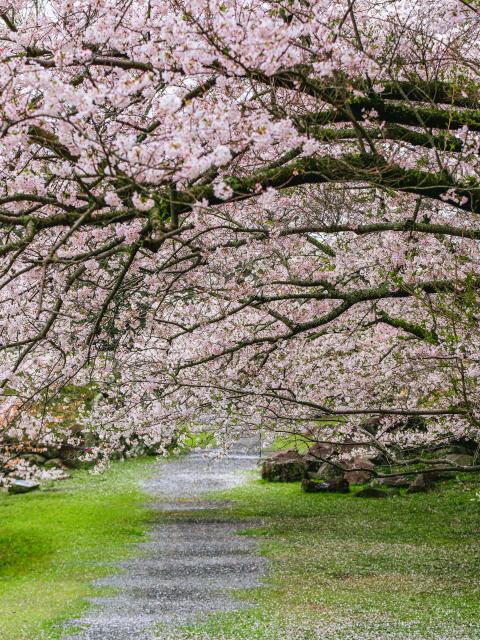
[188, 566]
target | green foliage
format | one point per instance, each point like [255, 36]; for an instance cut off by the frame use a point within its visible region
[292, 441]
[203, 439]
[52, 540]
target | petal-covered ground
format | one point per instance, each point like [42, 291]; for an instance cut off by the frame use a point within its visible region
[190, 563]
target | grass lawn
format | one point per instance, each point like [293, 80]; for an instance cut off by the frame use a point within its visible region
[345, 568]
[51, 541]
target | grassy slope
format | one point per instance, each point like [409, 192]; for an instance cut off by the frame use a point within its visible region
[347, 568]
[51, 540]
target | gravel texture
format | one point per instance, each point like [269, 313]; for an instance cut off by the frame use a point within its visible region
[188, 566]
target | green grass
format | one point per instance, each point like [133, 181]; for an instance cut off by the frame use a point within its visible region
[290, 442]
[345, 568]
[340, 568]
[297, 441]
[51, 541]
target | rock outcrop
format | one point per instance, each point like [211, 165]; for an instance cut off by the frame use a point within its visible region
[284, 466]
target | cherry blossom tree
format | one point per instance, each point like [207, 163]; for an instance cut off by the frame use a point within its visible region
[241, 214]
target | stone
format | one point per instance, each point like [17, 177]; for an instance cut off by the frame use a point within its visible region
[339, 485]
[52, 453]
[312, 486]
[465, 445]
[328, 472]
[321, 450]
[334, 486]
[312, 464]
[349, 446]
[422, 483]
[316, 456]
[462, 459]
[442, 475]
[23, 486]
[443, 452]
[285, 466]
[393, 481]
[379, 459]
[362, 473]
[70, 454]
[290, 454]
[55, 463]
[357, 477]
[371, 492]
[33, 458]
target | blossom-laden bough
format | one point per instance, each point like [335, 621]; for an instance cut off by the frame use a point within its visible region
[241, 214]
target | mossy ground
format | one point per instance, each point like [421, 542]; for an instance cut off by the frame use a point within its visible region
[52, 540]
[348, 568]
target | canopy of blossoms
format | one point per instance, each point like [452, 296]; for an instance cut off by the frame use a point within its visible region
[241, 214]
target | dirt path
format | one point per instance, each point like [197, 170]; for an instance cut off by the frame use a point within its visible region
[188, 566]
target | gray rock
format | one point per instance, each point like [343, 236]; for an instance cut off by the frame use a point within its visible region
[312, 464]
[328, 472]
[462, 459]
[321, 450]
[69, 454]
[453, 448]
[363, 472]
[312, 486]
[23, 486]
[422, 483]
[290, 454]
[316, 456]
[284, 466]
[357, 477]
[442, 475]
[394, 481]
[283, 471]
